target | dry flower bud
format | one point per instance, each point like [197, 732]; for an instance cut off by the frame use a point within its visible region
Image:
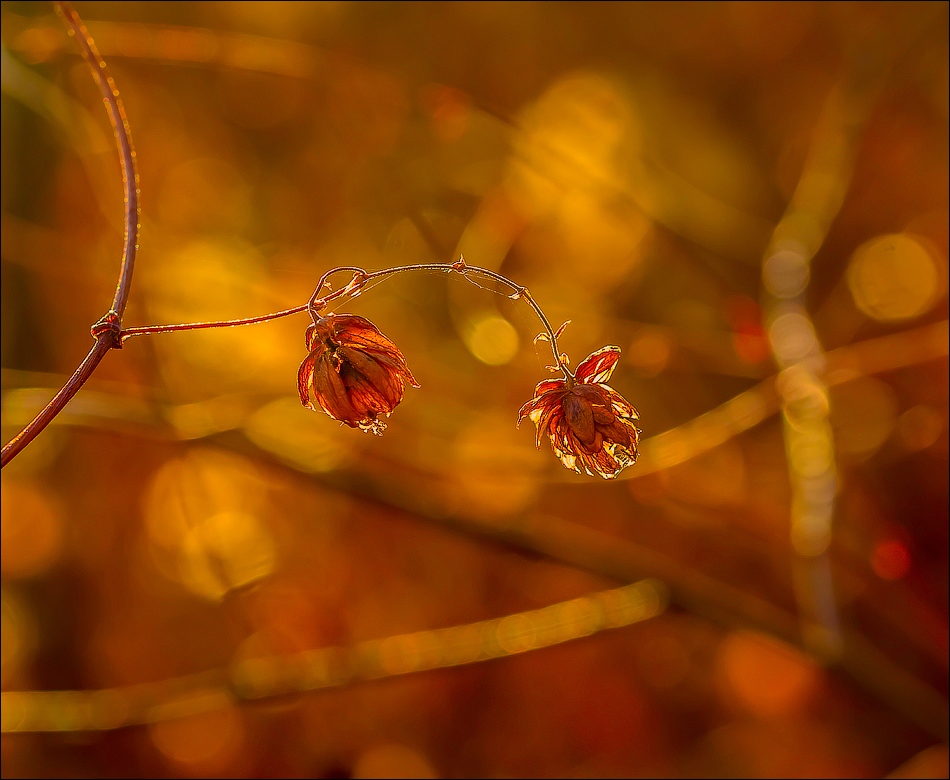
[355, 374]
[590, 425]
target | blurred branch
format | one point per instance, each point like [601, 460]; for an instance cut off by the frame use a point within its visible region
[331, 667]
[718, 601]
[624, 560]
[196, 46]
[746, 410]
[810, 445]
[657, 453]
[106, 330]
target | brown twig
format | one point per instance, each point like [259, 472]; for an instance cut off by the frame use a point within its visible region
[106, 331]
[148, 330]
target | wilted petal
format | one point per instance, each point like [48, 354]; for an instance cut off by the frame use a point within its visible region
[621, 406]
[367, 399]
[317, 336]
[383, 381]
[350, 324]
[605, 465]
[547, 391]
[598, 366]
[547, 386]
[579, 417]
[396, 363]
[304, 377]
[569, 460]
[624, 457]
[617, 432]
[599, 402]
[545, 415]
[358, 332]
[330, 393]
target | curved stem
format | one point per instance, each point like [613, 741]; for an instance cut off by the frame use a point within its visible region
[128, 333]
[107, 337]
[361, 277]
[106, 331]
[123, 137]
[78, 379]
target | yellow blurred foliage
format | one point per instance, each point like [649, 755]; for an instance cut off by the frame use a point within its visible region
[204, 517]
[31, 529]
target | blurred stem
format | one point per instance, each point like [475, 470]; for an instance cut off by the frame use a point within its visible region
[331, 667]
[106, 331]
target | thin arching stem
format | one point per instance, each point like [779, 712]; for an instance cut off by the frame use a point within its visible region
[361, 277]
[106, 331]
[128, 333]
[318, 303]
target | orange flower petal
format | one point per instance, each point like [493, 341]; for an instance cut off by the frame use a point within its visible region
[579, 417]
[387, 383]
[547, 391]
[304, 376]
[598, 366]
[330, 393]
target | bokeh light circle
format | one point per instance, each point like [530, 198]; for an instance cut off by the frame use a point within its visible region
[895, 277]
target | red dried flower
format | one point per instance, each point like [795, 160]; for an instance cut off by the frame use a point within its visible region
[590, 424]
[355, 373]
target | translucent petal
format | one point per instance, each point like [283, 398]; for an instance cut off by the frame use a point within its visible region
[598, 366]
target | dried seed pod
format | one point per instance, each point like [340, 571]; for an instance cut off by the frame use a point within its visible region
[354, 373]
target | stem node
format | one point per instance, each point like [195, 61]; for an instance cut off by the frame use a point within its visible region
[110, 322]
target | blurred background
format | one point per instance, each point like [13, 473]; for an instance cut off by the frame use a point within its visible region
[750, 199]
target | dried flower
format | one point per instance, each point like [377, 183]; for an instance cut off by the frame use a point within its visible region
[590, 424]
[355, 373]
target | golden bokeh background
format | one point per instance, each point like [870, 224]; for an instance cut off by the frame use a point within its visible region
[202, 578]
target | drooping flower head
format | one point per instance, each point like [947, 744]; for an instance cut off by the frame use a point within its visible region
[590, 425]
[355, 374]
